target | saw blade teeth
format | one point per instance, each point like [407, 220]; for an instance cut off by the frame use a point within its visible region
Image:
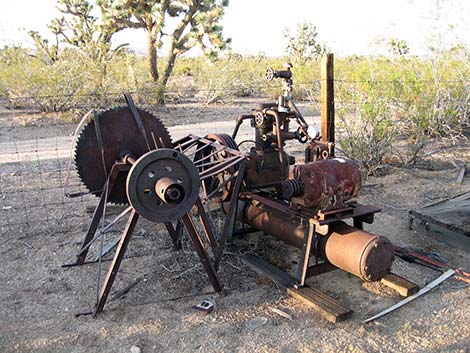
[86, 158]
[161, 122]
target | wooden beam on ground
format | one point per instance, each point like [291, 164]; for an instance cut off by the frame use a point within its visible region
[264, 268]
[404, 287]
[328, 307]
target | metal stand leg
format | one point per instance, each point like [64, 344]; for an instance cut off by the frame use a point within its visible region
[176, 233]
[118, 256]
[305, 257]
[229, 225]
[203, 256]
[99, 210]
[208, 229]
[97, 215]
[357, 223]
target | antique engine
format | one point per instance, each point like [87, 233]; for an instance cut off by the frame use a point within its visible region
[306, 204]
[126, 156]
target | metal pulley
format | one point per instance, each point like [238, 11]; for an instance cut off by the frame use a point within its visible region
[163, 185]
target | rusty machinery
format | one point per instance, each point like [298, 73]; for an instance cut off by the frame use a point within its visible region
[126, 156]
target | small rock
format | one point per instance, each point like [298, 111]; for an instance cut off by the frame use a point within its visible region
[256, 322]
[135, 349]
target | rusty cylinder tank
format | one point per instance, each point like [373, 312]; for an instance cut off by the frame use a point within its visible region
[327, 184]
[366, 255]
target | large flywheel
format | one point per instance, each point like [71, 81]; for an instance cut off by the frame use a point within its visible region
[117, 135]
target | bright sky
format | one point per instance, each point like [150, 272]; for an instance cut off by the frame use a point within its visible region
[346, 26]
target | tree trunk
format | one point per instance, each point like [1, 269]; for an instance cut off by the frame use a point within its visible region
[152, 56]
[166, 75]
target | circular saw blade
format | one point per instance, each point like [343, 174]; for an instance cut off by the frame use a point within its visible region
[120, 136]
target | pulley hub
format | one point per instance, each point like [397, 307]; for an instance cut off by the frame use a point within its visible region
[163, 185]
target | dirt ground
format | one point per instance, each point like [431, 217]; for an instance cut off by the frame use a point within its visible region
[39, 299]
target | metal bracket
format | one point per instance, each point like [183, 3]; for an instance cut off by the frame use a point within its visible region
[305, 255]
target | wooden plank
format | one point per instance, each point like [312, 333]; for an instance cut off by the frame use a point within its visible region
[328, 307]
[404, 287]
[264, 268]
[446, 220]
[327, 99]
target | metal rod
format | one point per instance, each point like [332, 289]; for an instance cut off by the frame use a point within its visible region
[422, 291]
[199, 149]
[305, 255]
[98, 277]
[192, 140]
[97, 214]
[203, 256]
[215, 144]
[209, 155]
[100, 142]
[109, 225]
[220, 186]
[99, 211]
[279, 138]
[229, 225]
[225, 160]
[207, 226]
[239, 122]
[222, 168]
[118, 256]
[138, 120]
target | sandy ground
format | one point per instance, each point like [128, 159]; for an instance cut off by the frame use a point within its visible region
[38, 298]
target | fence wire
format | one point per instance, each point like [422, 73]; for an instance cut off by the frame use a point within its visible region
[35, 146]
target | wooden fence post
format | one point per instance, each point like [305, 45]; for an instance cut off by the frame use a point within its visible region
[327, 99]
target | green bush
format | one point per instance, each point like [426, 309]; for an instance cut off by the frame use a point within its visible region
[378, 99]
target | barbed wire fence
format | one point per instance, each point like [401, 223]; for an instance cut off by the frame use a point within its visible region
[35, 146]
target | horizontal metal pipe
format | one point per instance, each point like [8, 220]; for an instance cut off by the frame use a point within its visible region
[363, 254]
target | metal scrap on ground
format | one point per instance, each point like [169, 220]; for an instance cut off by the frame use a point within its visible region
[422, 291]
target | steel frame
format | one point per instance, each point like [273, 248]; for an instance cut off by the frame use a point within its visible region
[313, 224]
[175, 230]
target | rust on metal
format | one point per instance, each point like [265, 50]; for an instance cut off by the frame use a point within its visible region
[368, 256]
[129, 154]
[328, 184]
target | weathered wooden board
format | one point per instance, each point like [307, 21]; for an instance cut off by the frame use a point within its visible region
[447, 220]
[404, 287]
[328, 307]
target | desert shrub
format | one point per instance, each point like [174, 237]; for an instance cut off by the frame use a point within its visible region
[422, 97]
[425, 98]
[71, 83]
[367, 131]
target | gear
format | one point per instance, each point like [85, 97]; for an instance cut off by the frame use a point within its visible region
[120, 136]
